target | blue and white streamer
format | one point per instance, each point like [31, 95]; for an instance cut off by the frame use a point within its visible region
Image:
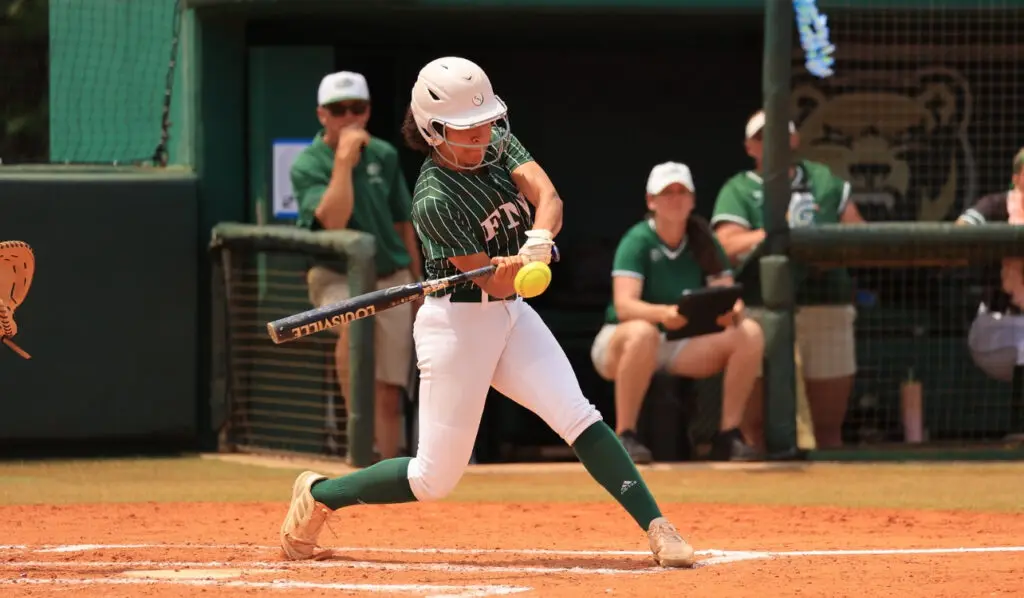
[813, 28]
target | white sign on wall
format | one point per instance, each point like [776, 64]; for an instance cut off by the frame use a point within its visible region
[285, 152]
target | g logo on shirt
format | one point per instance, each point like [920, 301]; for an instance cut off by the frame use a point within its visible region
[373, 170]
[802, 209]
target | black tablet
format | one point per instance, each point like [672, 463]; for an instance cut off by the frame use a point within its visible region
[702, 307]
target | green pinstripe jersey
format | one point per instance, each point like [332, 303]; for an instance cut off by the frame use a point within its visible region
[457, 212]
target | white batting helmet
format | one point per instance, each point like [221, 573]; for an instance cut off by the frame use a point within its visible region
[456, 93]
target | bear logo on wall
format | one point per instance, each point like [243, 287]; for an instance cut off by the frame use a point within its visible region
[901, 141]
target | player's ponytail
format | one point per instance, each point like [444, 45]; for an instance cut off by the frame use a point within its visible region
[411, 134]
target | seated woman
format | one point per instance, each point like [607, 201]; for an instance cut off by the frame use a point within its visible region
[653, 265]
[996, 338]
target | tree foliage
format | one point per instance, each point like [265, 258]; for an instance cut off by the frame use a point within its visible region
[24, 62]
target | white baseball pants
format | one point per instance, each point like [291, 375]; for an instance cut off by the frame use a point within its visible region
[465, 348]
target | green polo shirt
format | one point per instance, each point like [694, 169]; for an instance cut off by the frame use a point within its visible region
[666, 272]
[381, 196]
[818, 197]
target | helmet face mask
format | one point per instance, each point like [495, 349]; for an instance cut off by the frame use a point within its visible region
[490, 151]
[455, 94]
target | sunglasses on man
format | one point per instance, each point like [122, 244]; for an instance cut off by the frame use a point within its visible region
[358, 108]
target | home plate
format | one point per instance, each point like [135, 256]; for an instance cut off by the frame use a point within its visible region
[194, 573]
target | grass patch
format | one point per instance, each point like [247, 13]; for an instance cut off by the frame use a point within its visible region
[973, 486]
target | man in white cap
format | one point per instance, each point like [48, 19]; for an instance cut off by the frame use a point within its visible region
[825, 314]
[656, 261]
[349, 179]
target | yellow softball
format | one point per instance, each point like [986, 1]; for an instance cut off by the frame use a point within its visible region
[532, 279]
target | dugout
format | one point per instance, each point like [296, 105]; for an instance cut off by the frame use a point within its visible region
[614, 87]
[236, 75]
[588, 94]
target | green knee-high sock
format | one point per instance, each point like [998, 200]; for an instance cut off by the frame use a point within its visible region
[382, 483]
[607, 461]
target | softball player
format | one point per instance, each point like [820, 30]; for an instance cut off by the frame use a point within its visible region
[472, 207]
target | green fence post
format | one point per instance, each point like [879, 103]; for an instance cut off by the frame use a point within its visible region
[779, 375]
[362, 278]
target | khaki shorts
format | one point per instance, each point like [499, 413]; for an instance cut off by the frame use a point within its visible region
[667, 350]
[393, 327]
[825, 337]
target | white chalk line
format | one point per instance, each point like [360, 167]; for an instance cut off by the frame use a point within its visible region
[299, 565]
[430, 591]
[899, 551]
[255, 547]
[715, 557]
[714, 553]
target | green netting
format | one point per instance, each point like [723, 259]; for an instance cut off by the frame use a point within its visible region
[920, 115]
[922, 112]
[918, 291]
[110, 74]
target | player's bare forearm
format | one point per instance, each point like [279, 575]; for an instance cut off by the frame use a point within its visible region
[626, 292]
[408, 235]
[736, 240]
[335, 207]
[490, 285]
[549, 213]
[635, 309]
[535, 184]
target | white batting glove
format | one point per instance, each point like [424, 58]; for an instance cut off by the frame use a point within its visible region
[537, 247]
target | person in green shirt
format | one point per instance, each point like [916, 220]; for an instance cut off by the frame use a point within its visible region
[655, 262]
[349, 179]
[480, 199]
[825, 314]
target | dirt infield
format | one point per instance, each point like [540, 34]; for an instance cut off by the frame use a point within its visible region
[488, 549]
